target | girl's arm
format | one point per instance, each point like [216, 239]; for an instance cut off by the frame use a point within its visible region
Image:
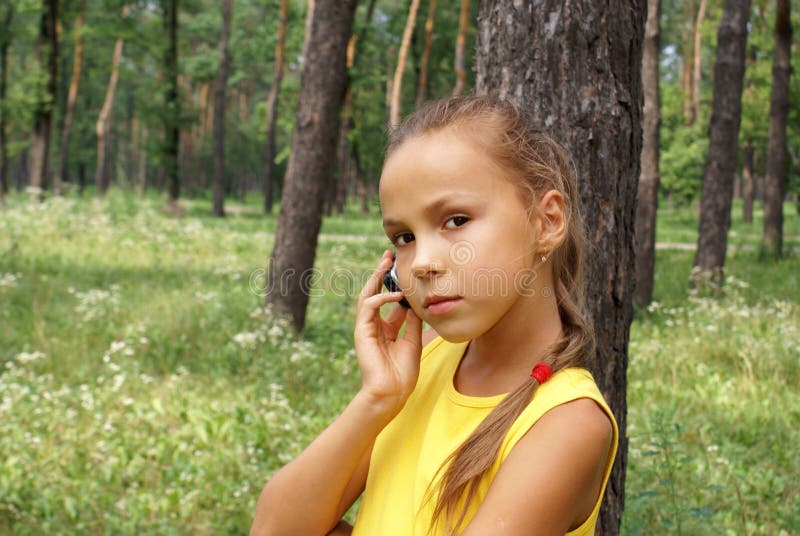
[306, 496]
[551, 479]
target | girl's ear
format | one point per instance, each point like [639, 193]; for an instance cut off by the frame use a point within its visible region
[552, 222]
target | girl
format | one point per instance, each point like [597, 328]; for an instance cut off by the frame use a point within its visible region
[489, 423]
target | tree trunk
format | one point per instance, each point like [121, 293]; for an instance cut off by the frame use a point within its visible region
[715, 200]
[72, 99]
[219, 111]
[272, 107]
[343, 153]
[577, 68]
[142, 163]
[748, 184]
[647, 199]
[172, 103]
[775, 180]
[8, 16]
[687, 61]
[47, 52]
[103, 125]
[461, 43]
[397, 84]
[313, 151]
[310, 6]
[422, 88]
[697, 63]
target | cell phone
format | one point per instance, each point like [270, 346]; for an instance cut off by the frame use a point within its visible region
[391, 282]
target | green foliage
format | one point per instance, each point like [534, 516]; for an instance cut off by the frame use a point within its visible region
[684, 147]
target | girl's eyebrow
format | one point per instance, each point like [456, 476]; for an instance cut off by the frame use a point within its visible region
[435, 206]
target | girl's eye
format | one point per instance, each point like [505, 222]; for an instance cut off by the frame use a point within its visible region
[402, 239]
[457, 221]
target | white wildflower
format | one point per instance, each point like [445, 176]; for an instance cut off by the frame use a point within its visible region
[248, 339]
[26, 357]
[9, 280]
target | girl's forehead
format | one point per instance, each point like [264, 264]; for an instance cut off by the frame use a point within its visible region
[440, 160]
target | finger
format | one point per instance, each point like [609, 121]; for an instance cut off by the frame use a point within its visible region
[373, 284]
[370, 307]
[395, 319]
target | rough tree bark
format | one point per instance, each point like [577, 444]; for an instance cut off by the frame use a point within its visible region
[397, 84]
[647, 199]
[172, 104]
[72, 98]
[47, 52]
[775, 179]
[576, 66]
[461, 44]
[219, 111]
[422, 87]
[5, 42]
[103, 125]
[715, 200]
[319, 102]
[272, 107]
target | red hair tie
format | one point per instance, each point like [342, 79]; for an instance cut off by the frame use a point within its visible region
[541, 372]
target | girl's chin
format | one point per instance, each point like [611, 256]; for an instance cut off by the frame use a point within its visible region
[452, 332]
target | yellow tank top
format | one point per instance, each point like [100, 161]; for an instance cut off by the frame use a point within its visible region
[434, 422]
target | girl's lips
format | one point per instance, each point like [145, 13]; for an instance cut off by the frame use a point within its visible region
[442, 307]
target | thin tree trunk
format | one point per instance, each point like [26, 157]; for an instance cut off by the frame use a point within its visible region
[687, 61]
[535, 52]
[775, 180]
[715, 200]
[206, 112]
[697, 63]
[103, 125]
[422, 89]
[172, 104]
[143, 163]
[647, 203]
[47, 52]
[748, 184]
[313, 151]
[8, 16]
[219, 111]
[461, 44]
[72, 99]
[272, 107]
[352, 149]
[339, 196]
[397, 84]
[310, 6]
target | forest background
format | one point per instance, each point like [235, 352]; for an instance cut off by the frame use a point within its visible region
[146, 386]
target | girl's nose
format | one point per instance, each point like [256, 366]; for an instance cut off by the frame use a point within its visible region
[426, 262]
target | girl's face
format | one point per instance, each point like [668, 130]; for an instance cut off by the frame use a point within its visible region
[462, 234]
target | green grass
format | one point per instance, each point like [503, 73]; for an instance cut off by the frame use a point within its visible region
[144, 388]
[680, 225]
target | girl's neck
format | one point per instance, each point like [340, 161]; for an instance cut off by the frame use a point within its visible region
[499, 360]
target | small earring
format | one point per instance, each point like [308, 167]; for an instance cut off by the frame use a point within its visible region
[544, 256]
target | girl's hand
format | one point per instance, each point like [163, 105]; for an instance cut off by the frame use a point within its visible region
[389, 366]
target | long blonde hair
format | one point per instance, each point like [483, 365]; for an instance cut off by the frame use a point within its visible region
[537, 164]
